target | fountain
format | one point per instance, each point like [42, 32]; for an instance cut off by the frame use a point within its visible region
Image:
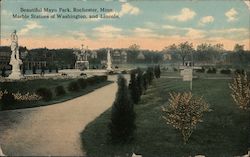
[15, 60]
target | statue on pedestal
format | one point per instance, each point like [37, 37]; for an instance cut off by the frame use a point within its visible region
[15, 60]
[82, 62]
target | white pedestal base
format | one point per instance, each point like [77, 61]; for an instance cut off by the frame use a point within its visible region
[16, 72]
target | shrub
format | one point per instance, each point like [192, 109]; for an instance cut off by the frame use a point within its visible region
[240, 88]
[202, 70]
[73, 86]
[97, 79]
[157, 71]
[211, 70]
[8, 99]
[139, 82]
[91, 80]
[133, 87]
[150, 74]
[239, 71]
[122, 123]
[124, 72]
[184, 111]
[45, 93]
[82, 83]
[3, 74]
[34, 69]
[225, 71]
[145, 81]
[59, 90]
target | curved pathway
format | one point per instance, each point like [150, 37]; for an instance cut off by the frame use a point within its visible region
[55, 129]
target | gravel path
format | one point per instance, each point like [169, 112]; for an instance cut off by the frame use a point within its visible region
[55, 129]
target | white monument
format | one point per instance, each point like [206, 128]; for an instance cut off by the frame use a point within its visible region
[109, 63]
[82, 62]
[15, 60]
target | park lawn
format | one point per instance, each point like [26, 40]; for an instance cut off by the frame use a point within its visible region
[32, 85]
[224, 132]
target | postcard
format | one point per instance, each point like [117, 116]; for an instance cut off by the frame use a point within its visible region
[125, 78]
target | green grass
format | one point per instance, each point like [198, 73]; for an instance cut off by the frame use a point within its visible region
[224, 132]
[32, 85]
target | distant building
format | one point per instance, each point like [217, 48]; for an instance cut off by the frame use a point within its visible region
[4, 60]
[141, 56]
[28, 62]
[167, 56]
[119, 57]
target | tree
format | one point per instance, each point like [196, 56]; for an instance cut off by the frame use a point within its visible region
[122, 123]
[24, 69]
[150, 74]
[240, 88]
[134, 47]
[139, 82]
[133, 87]
[172, 50]
[34, 69]
[157, 71]
[184, 112]
[184, 49]
[3, 71]
[239, 50]
[145, 81]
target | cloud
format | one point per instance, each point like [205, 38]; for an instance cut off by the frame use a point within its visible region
[206, 19]
[170, 27]
[230, 33]
[30, 26]
[107, 31]
[184, 15]
[247, 2]
[195, 33]
[231, 15]
[78, 35]
[127, 8]
[139, 32]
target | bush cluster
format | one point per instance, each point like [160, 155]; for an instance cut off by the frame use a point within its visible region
[157, 71]
[73, 86]
[202, 70]
[211, 70]
[45, 93]
[122, 124]
[140, 80]
[82, 83]
[177, 112]
[59, 90]
[225, 71]
[8, 99]
[240, 90]
[239, 71]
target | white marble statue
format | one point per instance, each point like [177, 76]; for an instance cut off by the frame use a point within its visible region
[15, 60]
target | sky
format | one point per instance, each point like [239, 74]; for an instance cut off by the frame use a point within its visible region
[151, 24]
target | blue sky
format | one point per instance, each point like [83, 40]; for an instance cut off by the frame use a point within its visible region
[151, 24]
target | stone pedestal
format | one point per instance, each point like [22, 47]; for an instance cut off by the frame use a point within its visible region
[16, 72]
[82, 65]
